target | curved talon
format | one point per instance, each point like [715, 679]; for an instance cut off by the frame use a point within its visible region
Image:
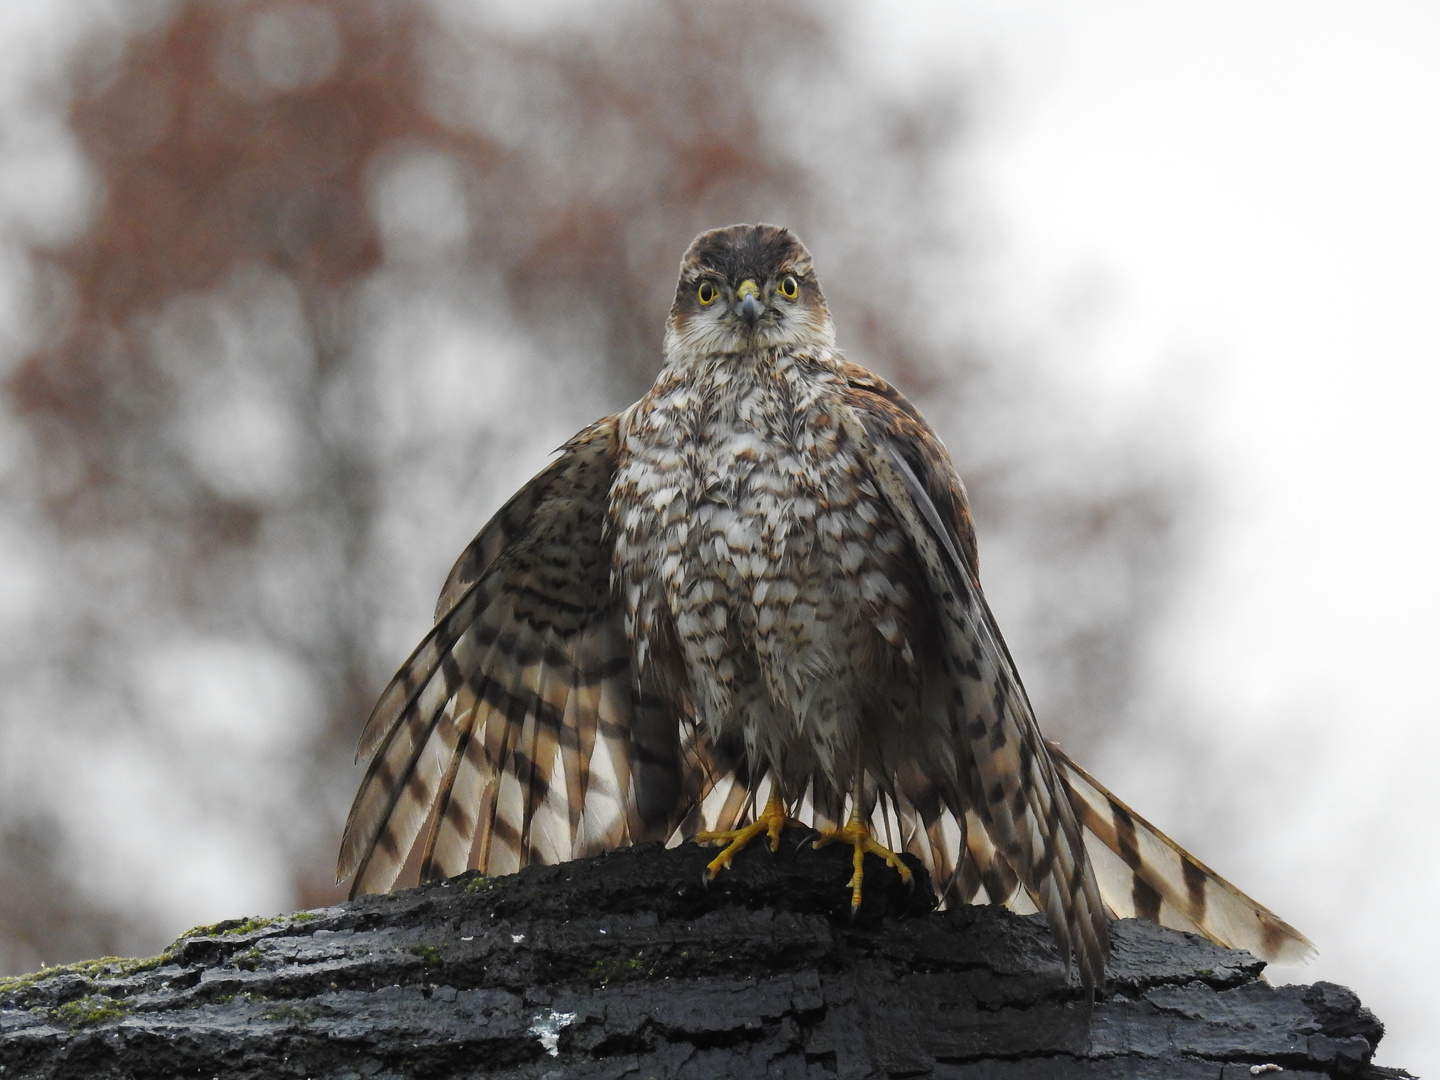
[857, 835]
[772, 821]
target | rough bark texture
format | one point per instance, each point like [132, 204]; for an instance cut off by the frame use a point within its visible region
[626, 965]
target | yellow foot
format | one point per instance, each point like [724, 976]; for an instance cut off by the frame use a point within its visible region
[772, 820]
[857, 835]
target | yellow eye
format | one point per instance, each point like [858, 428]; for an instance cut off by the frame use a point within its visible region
[789, 287]
[707, 293]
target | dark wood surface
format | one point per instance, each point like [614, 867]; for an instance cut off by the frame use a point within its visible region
[628, 966]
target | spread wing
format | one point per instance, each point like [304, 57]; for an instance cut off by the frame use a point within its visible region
[1032, 826]
[1002, 774]
[514, 733]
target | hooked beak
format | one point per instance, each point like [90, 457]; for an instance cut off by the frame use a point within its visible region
[748, 305]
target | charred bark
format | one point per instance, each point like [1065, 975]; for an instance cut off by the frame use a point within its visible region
[627, 965]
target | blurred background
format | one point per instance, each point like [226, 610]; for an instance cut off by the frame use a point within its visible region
[294, 294]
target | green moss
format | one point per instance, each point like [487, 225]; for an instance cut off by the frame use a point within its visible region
[429, 953]
[612, 969]
[235, 927]
[227, 927]
[198, 931]
[247, 961]
[88, 1011]
[249, 926]
[290, 1013]
[129, 967]
[24, 982]
[479, 883]
[114, 967]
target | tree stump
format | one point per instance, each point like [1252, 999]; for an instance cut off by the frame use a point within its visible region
[627, 965]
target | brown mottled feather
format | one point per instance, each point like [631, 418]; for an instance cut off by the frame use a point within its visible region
[1140, 872]
[900, 424]
[526, 662]
[1014, 789]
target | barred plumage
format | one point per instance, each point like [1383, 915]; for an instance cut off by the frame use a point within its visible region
[759, 579]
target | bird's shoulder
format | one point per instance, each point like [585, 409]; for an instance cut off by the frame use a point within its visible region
[890, 418]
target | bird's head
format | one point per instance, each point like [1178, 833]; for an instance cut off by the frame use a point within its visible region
[743, 288]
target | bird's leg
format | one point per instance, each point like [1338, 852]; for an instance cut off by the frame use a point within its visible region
[857, 834]
[771, 820]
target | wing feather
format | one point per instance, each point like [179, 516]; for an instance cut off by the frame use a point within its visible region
[551, 837]
[399, 786]
[459, 801]
[1004, 772]
[577, 744]
[461, 790]
[502, 718]
[515, 727]
[1034, 826]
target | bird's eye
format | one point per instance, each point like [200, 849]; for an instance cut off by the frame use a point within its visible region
[789, 287]
[707, 293]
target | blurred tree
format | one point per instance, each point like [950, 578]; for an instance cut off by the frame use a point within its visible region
[355, 268]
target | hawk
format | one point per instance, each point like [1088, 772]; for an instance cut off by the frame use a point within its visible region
[755, 587]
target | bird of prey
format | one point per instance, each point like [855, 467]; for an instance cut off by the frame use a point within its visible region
[755, 588]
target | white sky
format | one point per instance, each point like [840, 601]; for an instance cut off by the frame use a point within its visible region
[1251, 191]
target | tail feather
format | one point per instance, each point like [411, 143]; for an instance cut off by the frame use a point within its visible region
[1144, 874]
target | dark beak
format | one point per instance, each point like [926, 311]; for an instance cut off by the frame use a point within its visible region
[750, 309]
